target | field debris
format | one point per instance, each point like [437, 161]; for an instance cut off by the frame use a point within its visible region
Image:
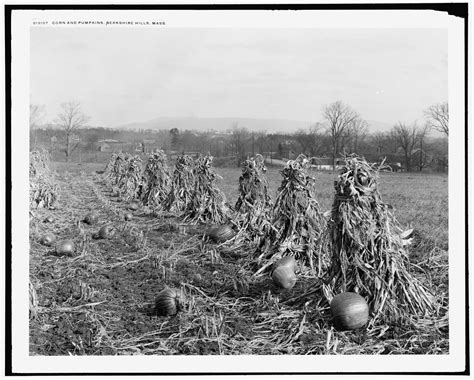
[367, 250]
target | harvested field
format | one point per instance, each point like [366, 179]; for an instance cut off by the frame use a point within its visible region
[101, 300]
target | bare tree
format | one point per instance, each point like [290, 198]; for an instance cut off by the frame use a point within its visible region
[319, 139]
[36, 116]
[438, 117]
[421, 136]
[239, 139]
[340, 117]
[357, 133]
[70, 119]
[405, 137]
[304, 140]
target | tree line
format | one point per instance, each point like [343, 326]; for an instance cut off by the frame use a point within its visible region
[342, 130]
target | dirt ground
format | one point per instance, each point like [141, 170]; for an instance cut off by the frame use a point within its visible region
[100, 301]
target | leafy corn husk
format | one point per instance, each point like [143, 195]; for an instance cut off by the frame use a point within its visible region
[297, 227]
[182, 185]
[253, 206]
[207, 203]
[156, 180]
[367, 251]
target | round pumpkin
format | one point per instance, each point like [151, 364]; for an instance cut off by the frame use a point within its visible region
[49, 219]
[287, 261]
[284, 277]
[107, 231]
[65, 247]
[91, 218]
[167, 302]
[349, 311]
[128, 216]
[221, 234]
[48, 239]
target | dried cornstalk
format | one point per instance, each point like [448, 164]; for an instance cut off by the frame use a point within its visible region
[130, 180]
[297, 227]
[368, 254]
[109, 167]
[207, 203]
[253, 205]
[182, 185]
[44, 191]
[156, 180]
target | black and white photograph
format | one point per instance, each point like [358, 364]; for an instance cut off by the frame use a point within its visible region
[238, 191]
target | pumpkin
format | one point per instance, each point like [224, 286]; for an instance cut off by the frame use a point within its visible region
[91, 218]
[287, 261]
[221, 234]
[106, 232]
[284, 277]
[65, 247]
[49, 219]
[349, 311]
[128, 216]
[48, 239]
[167, 302]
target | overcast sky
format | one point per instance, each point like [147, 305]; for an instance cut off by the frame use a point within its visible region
[123, 75]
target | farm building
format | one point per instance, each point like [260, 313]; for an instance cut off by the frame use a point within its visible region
[110, 145]
[325, 163]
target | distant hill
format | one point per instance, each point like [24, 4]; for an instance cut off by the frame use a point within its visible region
[222, 124]
[219, 124]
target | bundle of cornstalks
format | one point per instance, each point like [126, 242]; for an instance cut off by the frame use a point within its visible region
[297, 223]
[253, 205]
[108, 171]
[182, 185]
[368, 253]
[44, 191]
[119, 167]
[156, 180]
[39, 163]
[207, 203]
[130, 180]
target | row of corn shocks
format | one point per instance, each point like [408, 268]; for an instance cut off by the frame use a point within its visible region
[357, 247]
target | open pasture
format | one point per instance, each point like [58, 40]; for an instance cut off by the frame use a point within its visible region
[101, 301]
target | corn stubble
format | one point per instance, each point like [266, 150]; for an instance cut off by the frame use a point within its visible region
[367, 253]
